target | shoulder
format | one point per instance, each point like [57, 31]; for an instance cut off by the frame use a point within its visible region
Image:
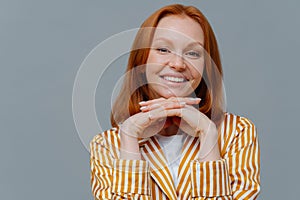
[106, 138]
[235, 126]
[237, 122]
[236, 132]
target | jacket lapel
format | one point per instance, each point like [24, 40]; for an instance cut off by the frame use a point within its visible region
[190, 151]
[152, 152]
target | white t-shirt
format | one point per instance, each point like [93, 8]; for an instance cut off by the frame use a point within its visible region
[171, 146]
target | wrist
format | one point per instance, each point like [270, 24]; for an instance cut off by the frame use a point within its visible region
[212, 155]
[209, 144]
[129, 147]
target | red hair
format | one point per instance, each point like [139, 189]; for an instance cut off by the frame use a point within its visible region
[135, 88]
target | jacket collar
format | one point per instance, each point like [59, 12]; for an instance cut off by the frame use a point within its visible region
[152, 152]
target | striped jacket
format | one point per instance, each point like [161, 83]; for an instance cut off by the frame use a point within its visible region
[235, 176]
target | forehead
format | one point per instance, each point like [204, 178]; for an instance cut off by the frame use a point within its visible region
[179, 28]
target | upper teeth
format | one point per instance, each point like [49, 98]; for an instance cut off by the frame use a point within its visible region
[174, 79]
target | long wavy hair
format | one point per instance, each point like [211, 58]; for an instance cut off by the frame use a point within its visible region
[135, 87]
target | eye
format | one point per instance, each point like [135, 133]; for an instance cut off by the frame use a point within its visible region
[163, 50]
[193, 54]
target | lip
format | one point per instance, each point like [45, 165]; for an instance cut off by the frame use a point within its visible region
[174, 75]
[171, 83]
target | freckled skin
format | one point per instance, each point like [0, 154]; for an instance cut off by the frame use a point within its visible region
[175, 52]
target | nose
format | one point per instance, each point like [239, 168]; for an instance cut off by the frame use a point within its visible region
[177, 62]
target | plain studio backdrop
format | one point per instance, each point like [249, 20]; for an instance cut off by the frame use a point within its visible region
[43, 44]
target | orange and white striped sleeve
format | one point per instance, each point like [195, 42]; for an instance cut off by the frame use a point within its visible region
[237, 175]
[113, 178]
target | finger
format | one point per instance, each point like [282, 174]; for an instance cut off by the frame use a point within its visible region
[159, 100]
[173, 105]
[152, 101]
[155, 114]
[149, 107]
[174, 112]
[163, 113]
[169, 105]
[188, 100]
[166, 105]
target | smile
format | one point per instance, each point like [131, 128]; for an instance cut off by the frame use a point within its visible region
[174, 79]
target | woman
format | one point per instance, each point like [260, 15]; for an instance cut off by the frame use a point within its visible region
[171, 138]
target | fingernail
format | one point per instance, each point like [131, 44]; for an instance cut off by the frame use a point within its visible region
[143, 107]
[182, 103]
[142, 102]
[195, 99]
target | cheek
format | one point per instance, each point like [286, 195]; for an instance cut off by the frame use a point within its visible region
[155, 58]
[148, 73]
[154, 65]
[152, 69]
[197, 69]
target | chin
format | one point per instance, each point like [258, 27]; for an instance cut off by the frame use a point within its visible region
[167, 93]
[182, 92]
[173, 94]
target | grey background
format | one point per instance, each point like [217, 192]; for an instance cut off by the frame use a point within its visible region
[43, 43]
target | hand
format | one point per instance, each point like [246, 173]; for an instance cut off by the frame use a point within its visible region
[193, 123]
[147, 124]
[141, 125]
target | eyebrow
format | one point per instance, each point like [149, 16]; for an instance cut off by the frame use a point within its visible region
[169, 41]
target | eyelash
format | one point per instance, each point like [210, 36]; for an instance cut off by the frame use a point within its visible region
[193, 54]
[163, 50]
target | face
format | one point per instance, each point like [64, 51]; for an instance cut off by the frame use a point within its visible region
[176, 60]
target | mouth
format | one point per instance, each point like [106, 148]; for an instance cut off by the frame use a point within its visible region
[174, 79]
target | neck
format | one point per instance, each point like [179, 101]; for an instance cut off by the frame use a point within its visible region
[171, 130]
